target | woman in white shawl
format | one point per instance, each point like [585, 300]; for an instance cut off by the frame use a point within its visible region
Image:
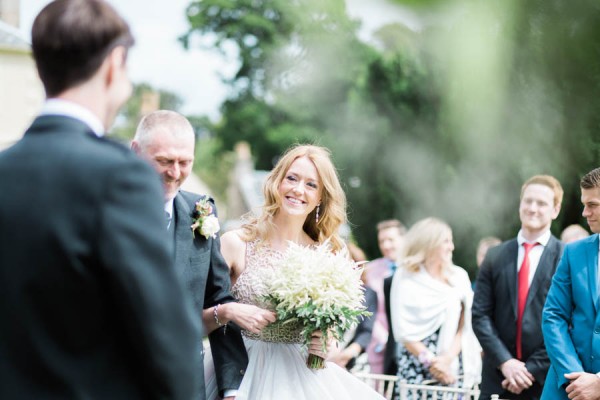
[430, 302]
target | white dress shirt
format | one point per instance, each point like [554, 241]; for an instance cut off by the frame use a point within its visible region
[73, 110]
[534, 254]
[169, 210]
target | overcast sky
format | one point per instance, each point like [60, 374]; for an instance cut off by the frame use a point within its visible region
[159, 59]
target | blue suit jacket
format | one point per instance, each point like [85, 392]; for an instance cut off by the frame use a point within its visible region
[570, 321]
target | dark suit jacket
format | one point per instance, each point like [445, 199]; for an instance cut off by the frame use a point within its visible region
[364, 329]
[390, 363]
[495, 316]
[199, 263]
[90, 306]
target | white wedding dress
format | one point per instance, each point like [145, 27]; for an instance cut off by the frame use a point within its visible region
[277, 359]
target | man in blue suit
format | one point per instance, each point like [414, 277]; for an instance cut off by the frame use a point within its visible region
[570, 321]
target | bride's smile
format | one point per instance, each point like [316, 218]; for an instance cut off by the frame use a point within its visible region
[300, 190]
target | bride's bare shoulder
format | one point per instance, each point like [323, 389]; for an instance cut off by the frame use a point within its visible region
[233, 247]
[233, 239]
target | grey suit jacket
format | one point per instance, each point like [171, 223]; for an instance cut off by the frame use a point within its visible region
[90, 307]
[495, 316]
[201, 266]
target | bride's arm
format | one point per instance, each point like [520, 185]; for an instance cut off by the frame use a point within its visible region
[248, 317]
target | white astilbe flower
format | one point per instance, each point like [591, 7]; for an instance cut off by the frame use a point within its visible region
[319, 288]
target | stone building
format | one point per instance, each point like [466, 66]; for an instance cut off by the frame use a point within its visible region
[21, 91]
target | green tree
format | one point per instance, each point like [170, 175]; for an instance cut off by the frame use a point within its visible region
[518, 85]
[305, 76]
[297, 61]
[447, 121]
[130, 113]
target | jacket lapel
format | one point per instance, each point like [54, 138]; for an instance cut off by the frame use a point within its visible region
[591, 255]
[545, 268]
[183, 232]
[510, 273]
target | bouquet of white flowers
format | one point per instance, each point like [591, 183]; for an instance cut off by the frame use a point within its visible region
[318, 289]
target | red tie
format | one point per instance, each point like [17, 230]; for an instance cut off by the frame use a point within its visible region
[523, 290]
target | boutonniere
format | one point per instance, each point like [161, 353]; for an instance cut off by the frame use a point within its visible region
[204, 219]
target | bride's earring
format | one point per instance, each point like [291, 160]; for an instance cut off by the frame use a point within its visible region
[317, 215]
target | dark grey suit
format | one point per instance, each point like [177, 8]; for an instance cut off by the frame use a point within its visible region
[90, 307]
[495, 316]
[390, 362]
[199, 263]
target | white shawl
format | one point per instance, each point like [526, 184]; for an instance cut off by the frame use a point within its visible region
[420, 305]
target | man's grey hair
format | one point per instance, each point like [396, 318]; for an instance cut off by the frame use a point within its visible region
[162, 121]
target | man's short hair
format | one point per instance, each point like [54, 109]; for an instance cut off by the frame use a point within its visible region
[591, 180]
[548, 181]
[162, 121]
[391, 223]
[573, 232]
[70, 40]
[489, 241]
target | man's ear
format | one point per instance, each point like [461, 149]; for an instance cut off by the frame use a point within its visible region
[135, 146]
[556, 211]
[115, 61]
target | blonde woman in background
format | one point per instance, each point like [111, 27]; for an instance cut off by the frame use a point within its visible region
[431, 310]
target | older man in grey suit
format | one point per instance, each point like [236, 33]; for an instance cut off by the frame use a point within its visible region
[167, 140]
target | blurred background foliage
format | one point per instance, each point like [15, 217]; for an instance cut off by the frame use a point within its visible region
[143, 96]
[446, 120]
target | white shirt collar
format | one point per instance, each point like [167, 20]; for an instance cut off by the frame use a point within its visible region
[73, 110]
[542, 239]
[169, 207]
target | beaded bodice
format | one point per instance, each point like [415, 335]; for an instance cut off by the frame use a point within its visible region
[250, 289]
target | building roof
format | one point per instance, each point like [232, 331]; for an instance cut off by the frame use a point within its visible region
[11, 38]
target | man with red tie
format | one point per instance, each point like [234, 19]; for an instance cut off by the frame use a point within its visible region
[510, 294]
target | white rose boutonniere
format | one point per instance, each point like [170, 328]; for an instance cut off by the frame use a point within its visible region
[204, 219]
[210, 226]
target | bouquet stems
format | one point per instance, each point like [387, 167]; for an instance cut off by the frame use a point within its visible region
[315, 362]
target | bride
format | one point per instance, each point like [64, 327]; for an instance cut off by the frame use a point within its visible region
[304, 204]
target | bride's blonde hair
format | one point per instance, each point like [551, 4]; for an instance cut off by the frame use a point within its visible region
[332, 210]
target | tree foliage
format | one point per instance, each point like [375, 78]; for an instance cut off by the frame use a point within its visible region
[131, 112]
[445, 121]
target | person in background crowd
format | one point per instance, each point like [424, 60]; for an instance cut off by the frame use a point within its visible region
[511, 290]
[483, 246]
[571, 319]
[91, 307]
[389, 238]
[361, 335]
[430, 302]
[573, 233]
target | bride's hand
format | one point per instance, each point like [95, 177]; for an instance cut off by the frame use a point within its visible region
[251, 318]
[316, 346]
